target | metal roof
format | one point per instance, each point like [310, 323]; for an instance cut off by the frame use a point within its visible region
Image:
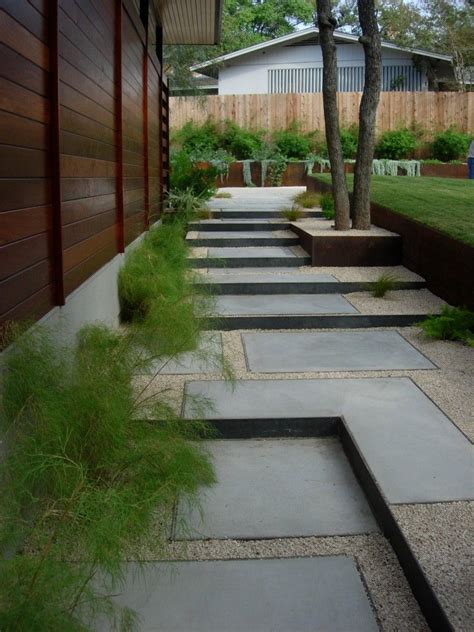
[190, 21]
[301, 36]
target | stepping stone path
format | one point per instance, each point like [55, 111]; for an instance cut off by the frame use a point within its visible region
[299, 458]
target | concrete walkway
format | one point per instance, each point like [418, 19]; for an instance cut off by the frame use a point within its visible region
[321, 428]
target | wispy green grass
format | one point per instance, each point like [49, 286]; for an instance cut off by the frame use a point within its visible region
[446, 204]
[90, 461]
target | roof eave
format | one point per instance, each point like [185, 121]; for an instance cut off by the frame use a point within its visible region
[301, 35]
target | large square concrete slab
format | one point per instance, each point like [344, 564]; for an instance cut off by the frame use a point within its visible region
[273, 595]
[277, 488]
[331, 351]
[280, 304]
[413, 450]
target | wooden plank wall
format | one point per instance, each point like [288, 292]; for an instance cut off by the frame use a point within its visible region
[431, 110]
[81, 147]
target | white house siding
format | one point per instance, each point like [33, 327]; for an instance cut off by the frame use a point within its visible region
[299, 69]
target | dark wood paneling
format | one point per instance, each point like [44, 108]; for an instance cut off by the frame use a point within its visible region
[18, 162]
[79, 124]
[74, 255]
[24, 193]
[19, 287]
[22, 71]
[22, 132]
[76, 145]
[80, 167]
[31, 250]
[79, 231]
[80, 209]
[27, 16]
[19, 100]
[78, 188]
[18, 224]
[20, 39]
[110, 129]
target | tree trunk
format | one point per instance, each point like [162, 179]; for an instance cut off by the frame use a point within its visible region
[370, 40]
[326, 25]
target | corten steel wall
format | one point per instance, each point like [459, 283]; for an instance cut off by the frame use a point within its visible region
[446, 264]
[83, 143]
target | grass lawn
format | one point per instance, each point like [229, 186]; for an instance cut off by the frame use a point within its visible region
[446, 204]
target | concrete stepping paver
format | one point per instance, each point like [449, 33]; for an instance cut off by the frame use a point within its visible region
[251, 252]
[282, 304]
[234, 276]
[331, 351]
[282, 595]
[276, 488]
[414, 451]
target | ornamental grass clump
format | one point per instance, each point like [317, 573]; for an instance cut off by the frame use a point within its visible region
[453, 323]
[308, 199]
[90, 464]
[292, 214]
[385, 283]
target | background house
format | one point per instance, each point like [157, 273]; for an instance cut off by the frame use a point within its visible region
[293, 64]
[83, 145]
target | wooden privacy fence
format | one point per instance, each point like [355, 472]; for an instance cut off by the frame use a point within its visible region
[431, 110]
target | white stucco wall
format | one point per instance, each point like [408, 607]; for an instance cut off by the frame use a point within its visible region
[249, 74]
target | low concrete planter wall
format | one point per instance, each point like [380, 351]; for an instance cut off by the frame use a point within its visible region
[328, 250]
[445, 263]
[295, 173]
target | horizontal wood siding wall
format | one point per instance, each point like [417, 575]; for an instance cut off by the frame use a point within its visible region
[431, 110]
[62, 220]
[26, 213]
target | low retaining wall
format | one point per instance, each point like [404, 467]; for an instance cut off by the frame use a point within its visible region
[339, 251]
[295, 173]
[446, 264]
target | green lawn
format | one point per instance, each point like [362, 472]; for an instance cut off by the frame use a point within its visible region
[446, 204]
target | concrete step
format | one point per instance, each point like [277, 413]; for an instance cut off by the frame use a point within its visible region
[311, 321]
[234, 282]
[234, 239]
[211, 225]
[391, 420]
[263, 257]
[302, 593]
[256, 214]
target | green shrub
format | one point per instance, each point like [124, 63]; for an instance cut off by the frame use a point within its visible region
[396, 145]
[317, 141]
[327, 206]
[240, 142]
[186, 176]
[308, 199]
[454, 323]
[90, 466]
[450, 145]
[157, 297]
[385, 283]
[192, 137]
[183, 207]
[349, 140]
[292, 144]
